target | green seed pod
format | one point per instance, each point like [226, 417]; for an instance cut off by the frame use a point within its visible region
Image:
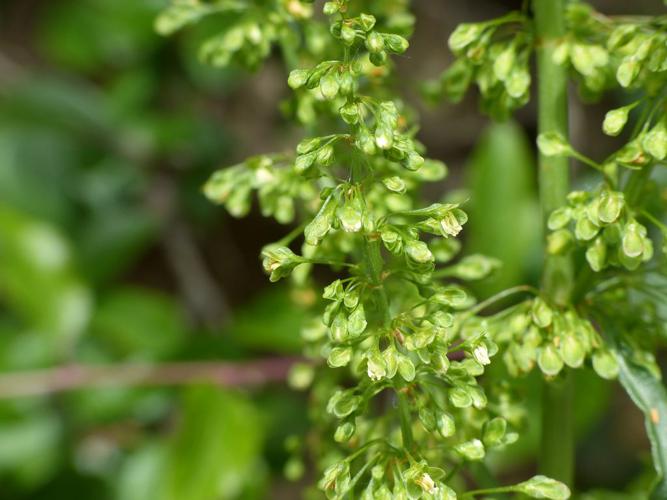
[329, 86]
[347, 84]
[633, 239]
[541, 313]
[339, 356]
[357, 321]
[587, 58]
[318, 228]
[549, 360]
[460, 396]
[655, 141]
[279, 262]
[378, 58]
[571, 350]
[503, 64]
[395, 184]
[427, 418]
[610, 205]
[347, 34]
[376, 367]
[605, 364]
[344, 432]
[330, 8]
[343, 403]
[366, 21]
[518, 82]
[395, 43]
[304, 162]
[338, 331]
[325, 155]
[351, 298]
[494, 430]
[627, 71]
[350, 113]
[471, 450]
[464, 35]
[615, 120]
[418, 251]
[374, 42]
[584, 229]
[596, 254]
[559, 218]
[559, 242]
[406, 368]
[297, 78]
[384, 137]
[390, 356]
[445, 424]
[413, 161]
[350, 217]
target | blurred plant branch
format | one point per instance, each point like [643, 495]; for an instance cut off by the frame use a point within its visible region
[79, 376]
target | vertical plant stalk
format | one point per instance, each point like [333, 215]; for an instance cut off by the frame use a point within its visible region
[557, 448]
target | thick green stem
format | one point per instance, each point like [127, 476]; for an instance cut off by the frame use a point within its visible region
[557, 450]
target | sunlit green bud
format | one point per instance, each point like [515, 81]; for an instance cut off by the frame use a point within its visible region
[464, 35]
[460, 396]
[596, 255]
[559, 218]
[445, 425]
[395, 184]
[418, 251]
[518, 82]
[384, 137]
[605, 364]
[357, 323]
[627, 71]
[375, 42]
[329, 86]
[344, 432]
[346, 84]
[338, 330]
[572, 350]
[413, 161]
[452, 222]
[610, 205]
[330, 8]
[350, 113]
[541, 313]
[587, 58]
[376, 367]
[481, 354]
[406, 368]
[347, 34]
[494, 430]
[543, 487]
[615, 120]
[300, 376]
[559, 242]
[339, 356]
[504, 62]
[279, 262]
[471, 450]
[297, 78]
[390, 356]
[584, 229]
[378, 58]
[633, 239]
[395, 43]
[427, 418]
[553, 144]
[655, 141]
[549, 360]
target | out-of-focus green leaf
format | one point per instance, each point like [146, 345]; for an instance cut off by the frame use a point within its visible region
[504, 216]
[216, 450]
[140, 474]
[135, 321]
[650, 396]
[37, 277]
[281, 333]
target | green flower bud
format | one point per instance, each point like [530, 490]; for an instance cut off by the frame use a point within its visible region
[344, 432]
[427, 418]
[357, 323]
[325, 155]
[572, 350]
[304, 162]
[367, 21]
[406, 368]
[627, 71]
[494, 431]
[413, 161]
[610, 204]
[504, 62]
[543, 487]
[334, 474]
[460, 396]
[452, 222]
[633, 239]
[452, 296]
[384, 137]
[553, 144]
[395, 184]
[549, 360]
[615, 120]
[559, 218]
[471, 450]
[559, 242]
[338, 330]
[346, 84]
[585, 229]
[518, 82]
[347, 34]
[339, 356]
[376, 367]
[655, 141]
[330, 8]
[350, 113]
[318, 228]
[351, 298]
[541, 313]
[464, 35]
[418, 251]
[605, 364]
[395, 43]
[378, 58]
[375, 42]
[349, 216]
[329, 86]
[279, 262]
[586, 59]
[297, 78]
[391, 356]
[446, 425]
[596, 254]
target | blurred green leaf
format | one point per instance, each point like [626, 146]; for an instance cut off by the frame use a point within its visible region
[504, 216]
[136, 321]
[38, 279]
[216, 452]
[141, 472]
